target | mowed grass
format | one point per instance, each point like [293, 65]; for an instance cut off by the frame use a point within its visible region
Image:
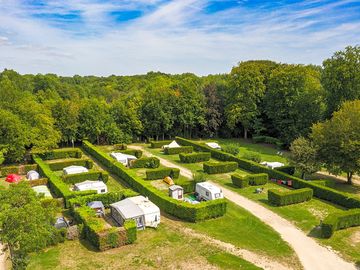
[163, 248]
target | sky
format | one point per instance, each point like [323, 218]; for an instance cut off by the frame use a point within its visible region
[93, 37]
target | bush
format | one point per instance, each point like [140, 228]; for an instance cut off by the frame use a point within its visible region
[231, 149]
[340, 221]
[131, 231]
[199, 177]
[21, 169]
[257, 179]
[287, 169]
[266, 139]
[38, 182]
[187, 185]
[280, 198]
[120, 146]
[81, 177]
[59, 154]
[239, 180]
[133, 152]
[178, 150]
[219, 167]
[252, 156]
[161, 173]
[59, 165]
[194, 157]
[145, 162]
[159, 144]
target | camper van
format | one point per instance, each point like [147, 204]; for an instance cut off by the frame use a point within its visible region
[207, 192]
[98, 186]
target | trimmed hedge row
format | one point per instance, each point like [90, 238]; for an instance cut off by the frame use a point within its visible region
[321, 192]
[219, 167]
[251, 179]
[38, 182]
[21, 169]
[179, 209]
[194, 157]
[340, 221]
[187, 185]
[160, 173]
[287, 169]
[59, 165]
[239, 180]
[158, 144]
[120, 146]
[80, 177]
[145, 162]
[134, 152]
[178, 150]
[59, 153]
[280, 198]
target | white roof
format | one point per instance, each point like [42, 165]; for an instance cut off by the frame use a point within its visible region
[42, 189]
[75, 169]
[32, 175]
[145, 204]
[128, 209]
[210, 187]
[272, 164]
[86, 185]
[213, 145]
[121, 157]
[173, 144]
[175, 187]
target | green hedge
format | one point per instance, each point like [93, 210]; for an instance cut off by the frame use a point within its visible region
[21, 169]
[38, 182]
[239, 180]
[145, 162]
[134, 152]
[280, 198]
[194, 157]
[287, 169]
[341, 198]
[131, 231]
[187, 185]
[59, 165]
[219, 167]
[59, 153]
[178, 150]
[160, 173]
[159, 144]
[81, 177]
[266, 139]
[257, 179]
[339, 221]
[179, 209]
[120, 146]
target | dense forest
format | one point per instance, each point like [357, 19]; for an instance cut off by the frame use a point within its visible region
[255, 98]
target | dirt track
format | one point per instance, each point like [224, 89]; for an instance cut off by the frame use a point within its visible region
[2, 258]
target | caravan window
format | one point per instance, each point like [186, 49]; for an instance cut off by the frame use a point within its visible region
[207, 193]
[217, 195]
[102, 191]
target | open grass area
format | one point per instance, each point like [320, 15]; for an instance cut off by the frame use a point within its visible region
[163, 248]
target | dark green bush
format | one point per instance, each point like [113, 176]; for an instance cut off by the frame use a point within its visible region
[219, 167]
[134, 152]
[59, 165]
[239, 181]
[287, 169]
[21, 169]
[120, 146]
[178, 150]
[253, 156]
[257, 179]
[194, 157]
[231, 149]
[266, 139]
[280, 198]
[161, 173]
[131, 231]
[81, 177]
[59, 154]
[145, 162]
[338, 221]
[159, 144]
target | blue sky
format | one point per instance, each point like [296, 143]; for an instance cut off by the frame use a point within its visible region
[93, 37]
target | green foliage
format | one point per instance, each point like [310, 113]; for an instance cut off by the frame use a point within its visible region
[145, 162]
[194, 157]
[253, 156]
[178, 150]
[251, 179]
[38, 182]
[161, 173]
[120, 146]
[231, 149]
[199, 177]
[266, 139]
[81, 177]
[281, 198]
[287, 169]
[186, 184]
[239, 180]
[219, 167]
[60, 154]
[131, 231]
[59, 165]
[22, 169]
[159, 144]
[339, 221]
[133, 152]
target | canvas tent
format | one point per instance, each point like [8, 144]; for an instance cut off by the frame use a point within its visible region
[98, 206]
[74, 169]
[272, 165]
[176, 192]
[13, 178]
[142, 210]
[42, 189]
[123, 158]
[214, 145]
[32, 175]
[173, 144]
[98, 186]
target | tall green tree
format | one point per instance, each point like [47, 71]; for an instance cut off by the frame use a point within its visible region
[213, 111]
[338, 140]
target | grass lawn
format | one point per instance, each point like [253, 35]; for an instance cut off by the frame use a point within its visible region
[163, 248]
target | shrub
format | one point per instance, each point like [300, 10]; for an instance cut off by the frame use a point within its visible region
[178, 150]
[131, 231]
[340, 221]
[257, 179]
[21, 169]
[219, 167]
[253, 156]
[59, 165]
[81, 177]
[231, 149]
[239, 180]
[134, 152]
[266, 139]
[187, 185]
[280, 198]
[159, 144]
[120, 146]
[194, 157]
[38, 182]
[59, 154]
[199, 177]
[287, 169]
[160, 173]
[145, 162]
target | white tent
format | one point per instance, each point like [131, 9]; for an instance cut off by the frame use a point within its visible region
[272, 165]
[214, 145]
[42, 190]
[173, 144]
[32, 175]
[74, 169]
[98, 186]
[122, 158]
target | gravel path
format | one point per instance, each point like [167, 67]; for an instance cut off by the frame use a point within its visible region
[2, 258]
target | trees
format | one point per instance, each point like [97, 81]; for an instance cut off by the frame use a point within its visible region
[303, 156]
[213, 110]
[338, 140]
[341, 77]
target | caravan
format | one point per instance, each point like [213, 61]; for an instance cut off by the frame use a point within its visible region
[123, 158]
[207, 192]
[98, 186]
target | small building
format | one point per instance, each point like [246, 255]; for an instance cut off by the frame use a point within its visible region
[98, 206]
[42, 189]
[98, 186]
[74, 170]
[141, 209]
[272, 165]
[214, 145]
[176, 192]
[32, 175]
[122, 158]
[207, 192]
[173, 144]
[13, 178]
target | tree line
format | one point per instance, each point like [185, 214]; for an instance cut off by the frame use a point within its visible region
[255, 98]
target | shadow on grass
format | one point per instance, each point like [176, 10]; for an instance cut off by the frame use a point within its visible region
[316, 232]
[88, 245]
